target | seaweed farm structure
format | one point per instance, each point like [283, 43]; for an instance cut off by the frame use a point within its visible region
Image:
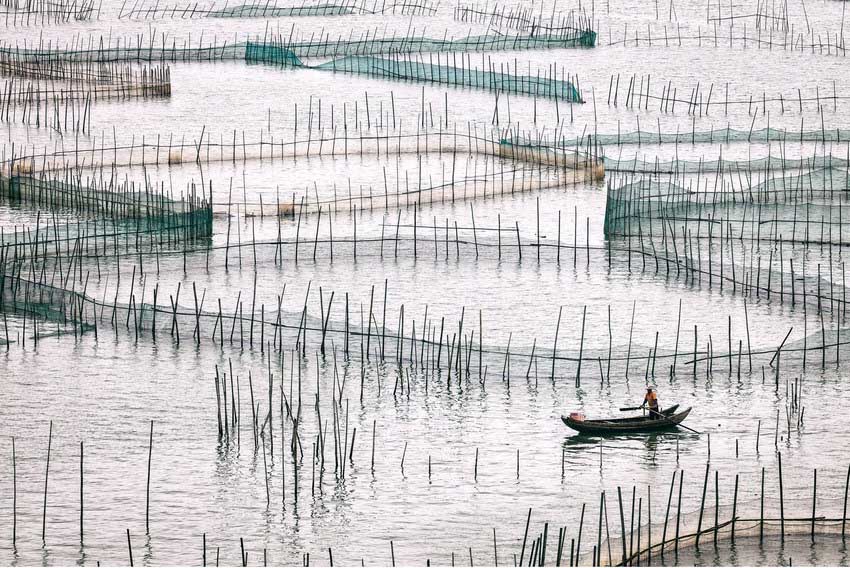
[257, 9]
[155, 48]
[47, 12]
[393, 243]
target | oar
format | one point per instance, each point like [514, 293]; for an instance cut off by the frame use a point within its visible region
[659, 414]
[686, 428]
[679, 425]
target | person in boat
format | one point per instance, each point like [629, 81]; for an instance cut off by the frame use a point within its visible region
[651, 400]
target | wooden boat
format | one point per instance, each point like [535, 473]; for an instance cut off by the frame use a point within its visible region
[669, 420]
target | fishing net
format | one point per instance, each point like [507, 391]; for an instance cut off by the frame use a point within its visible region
[145, 211]
[750, 528]
[145, 10]
[396, 45]
[421, 71]
[522, 18]
[379, 141]
[751, 512]
[721, 135]
[790, 205]
[309, 46]
[25, 12]
[271, 53]
[252, 10]
[680, 166]
[264, 10]
[403, 69]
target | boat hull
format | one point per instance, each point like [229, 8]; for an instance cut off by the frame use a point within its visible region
[639, 424]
